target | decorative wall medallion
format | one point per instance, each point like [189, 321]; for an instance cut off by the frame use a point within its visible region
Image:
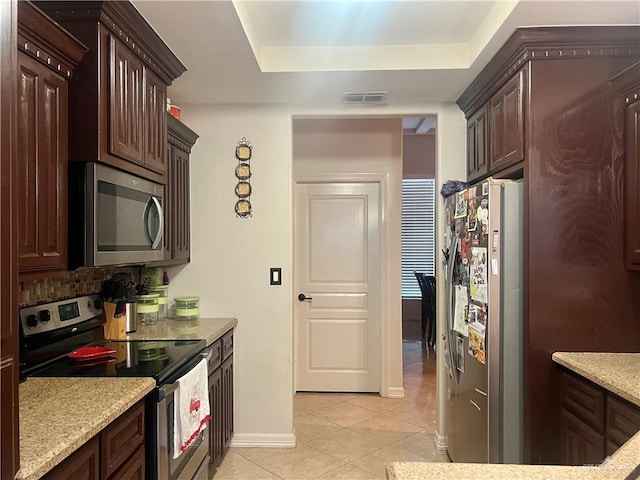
[243, 173]
[243, 208]
[243, 150]
[243, 189]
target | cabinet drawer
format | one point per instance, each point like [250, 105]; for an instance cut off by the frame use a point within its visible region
[227, 345]
[584, 400]
[623, 420]
[83, 463]
[121, 439]
[133, 469]
[216, 356]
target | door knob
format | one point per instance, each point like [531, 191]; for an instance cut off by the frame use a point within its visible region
[302, 297]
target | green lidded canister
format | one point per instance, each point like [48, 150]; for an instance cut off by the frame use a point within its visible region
[187, 308]
[147, 308]
[163, 297]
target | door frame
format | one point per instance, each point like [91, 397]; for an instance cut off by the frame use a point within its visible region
[382, 180]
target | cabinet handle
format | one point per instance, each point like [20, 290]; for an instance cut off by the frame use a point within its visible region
[475, 405]
[158, 239]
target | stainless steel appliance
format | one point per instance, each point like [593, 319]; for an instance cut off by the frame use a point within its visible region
[49, 332]
[483, 235]
[115, 218]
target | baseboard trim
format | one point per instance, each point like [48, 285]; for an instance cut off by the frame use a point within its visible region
[265, 440]
[440, 440]
[395, 392]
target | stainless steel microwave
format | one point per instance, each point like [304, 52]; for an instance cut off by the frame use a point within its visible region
[115, 218]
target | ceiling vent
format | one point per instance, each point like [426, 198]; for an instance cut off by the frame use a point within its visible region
[365, 98]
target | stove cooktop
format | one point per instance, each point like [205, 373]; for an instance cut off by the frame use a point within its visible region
[49, 332]
[134, 358]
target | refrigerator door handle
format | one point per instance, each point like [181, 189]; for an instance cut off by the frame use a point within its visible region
[450, 309]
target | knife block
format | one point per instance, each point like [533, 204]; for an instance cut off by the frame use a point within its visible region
[114, 328]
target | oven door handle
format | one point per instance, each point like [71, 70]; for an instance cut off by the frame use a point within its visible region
[166, 390]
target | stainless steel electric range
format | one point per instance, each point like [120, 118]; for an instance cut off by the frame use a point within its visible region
[66, 339]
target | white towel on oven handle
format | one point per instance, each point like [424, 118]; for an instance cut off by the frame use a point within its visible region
[190, 407]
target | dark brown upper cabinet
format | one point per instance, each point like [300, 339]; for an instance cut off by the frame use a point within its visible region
[47, 56]
[477, 156]
[628, 83]
[506, 124]
[119, 94]
[495, 132]
[177, 211]
[554, 122]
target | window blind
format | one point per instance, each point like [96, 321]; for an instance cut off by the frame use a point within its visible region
[418, 232]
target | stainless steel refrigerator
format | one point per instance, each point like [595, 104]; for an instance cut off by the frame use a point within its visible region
[483, 345]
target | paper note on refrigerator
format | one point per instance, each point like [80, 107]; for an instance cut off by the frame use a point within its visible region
[478, 275]
[461, 311]
[477, 342]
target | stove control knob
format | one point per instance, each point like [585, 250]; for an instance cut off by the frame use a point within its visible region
[45, 316]
[32, 321]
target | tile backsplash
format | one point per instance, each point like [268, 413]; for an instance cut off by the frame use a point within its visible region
[68, 284]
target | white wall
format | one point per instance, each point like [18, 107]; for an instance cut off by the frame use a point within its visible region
[419, 156]
[230, 257]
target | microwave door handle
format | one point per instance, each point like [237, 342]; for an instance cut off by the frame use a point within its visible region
[155, 241]
[158, 240]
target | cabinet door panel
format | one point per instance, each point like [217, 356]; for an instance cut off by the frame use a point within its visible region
[227, 402]
[507, 124]
[582, 445]
[623, 420]
[181, 238]
[633, 184]
[477, 145]
[42, 166]
[168, 205]
[155, 122]
[28, 79]
[125, 103]
[215, 432]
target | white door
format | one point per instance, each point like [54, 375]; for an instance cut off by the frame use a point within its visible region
[337, 265]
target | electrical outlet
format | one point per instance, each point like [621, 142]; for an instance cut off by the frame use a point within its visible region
[275, 276]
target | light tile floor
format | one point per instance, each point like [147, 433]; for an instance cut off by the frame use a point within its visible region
[351, 436]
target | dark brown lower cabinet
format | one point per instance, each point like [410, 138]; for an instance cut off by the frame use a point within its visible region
[116, 453]
[82, 464]
[221, 399]
[594, 422]
[215, 432]
[227, 403]
[582, 444]
[133, 469]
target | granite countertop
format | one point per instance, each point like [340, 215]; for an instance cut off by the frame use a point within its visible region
[209, 329]
[616, 372]
[59, 415]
